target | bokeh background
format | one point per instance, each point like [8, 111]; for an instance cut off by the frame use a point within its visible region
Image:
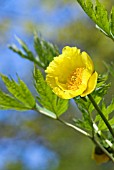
[28, 140]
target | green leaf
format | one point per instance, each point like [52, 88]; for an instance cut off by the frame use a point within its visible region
[111, 121]
[101, 88]
[110, 68]
[88, 6]
[61, 106]
[106, 111]
[27, 54]
[46, 97]
[98, 119]
[20, 91]
[102, 19]
[110, 108]
[9, 102]
[45, 50]
[102, 78]
[112, 22]
[97, 13]
[45, 112]
[24, 46]
[84, 123]
[86, 107]
[98, 95]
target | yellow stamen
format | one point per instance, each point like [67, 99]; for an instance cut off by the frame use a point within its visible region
[75, 79]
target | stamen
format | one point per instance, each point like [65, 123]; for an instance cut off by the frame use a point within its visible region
[75, 79]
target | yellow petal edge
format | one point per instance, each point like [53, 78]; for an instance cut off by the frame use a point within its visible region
[91, 84]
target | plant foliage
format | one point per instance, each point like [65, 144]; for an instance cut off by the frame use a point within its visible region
[110, 68]
[45, 51]
[46, 97]
[97, 120]
[20, 98]
[53, 106]
[99, 15]
[107, 110]
[86, 107]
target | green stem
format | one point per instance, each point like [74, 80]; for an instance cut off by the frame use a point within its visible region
[101, 114]
[103, 149]
[100, 135]
[74, 127]
[38, 109]
[87, 135]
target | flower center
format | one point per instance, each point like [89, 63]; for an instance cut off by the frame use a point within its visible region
[75, 79]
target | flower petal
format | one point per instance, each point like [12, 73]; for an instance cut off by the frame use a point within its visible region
[67, 94]
[91, 84]
[71, 74]
[88, 62]
[62, 90]
[63, 65]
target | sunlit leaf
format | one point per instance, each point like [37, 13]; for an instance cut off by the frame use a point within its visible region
[46, 51]
[20, 91]
[97, 13]
[86, 107]
[26, 53]
[46, 97]
[112, 21]
[106, 111]
[9, 102]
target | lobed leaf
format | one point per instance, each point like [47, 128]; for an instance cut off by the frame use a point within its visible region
[97, 13]
[110, 68]
[20, 91]
[9, 102]
[24, 46]
[101, 17]
[45, 50]
[86, 107]
[83, 105]
[112, 22]
[46, 97]
[106, 111]
[27, 54]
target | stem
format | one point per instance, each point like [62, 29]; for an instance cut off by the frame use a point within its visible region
[74, 127]
[103, 149]
[101, 114]
[80, 131]
[87, 135]
[100, 135]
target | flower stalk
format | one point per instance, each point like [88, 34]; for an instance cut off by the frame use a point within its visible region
[101, 114]
[92, 138]
[74, 127]
[97, 143]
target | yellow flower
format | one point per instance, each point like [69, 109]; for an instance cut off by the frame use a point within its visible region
[71, 74]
